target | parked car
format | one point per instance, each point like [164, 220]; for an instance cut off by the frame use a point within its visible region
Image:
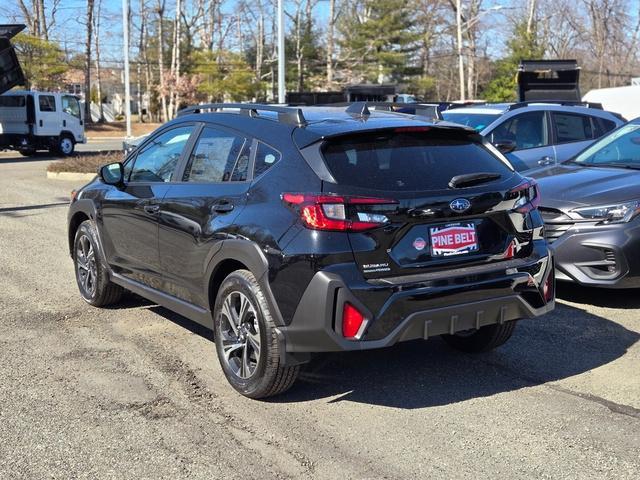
[293, 231]
[590, 205]
[536, 134]
[31, 121]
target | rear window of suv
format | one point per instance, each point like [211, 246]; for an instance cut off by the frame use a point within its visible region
[407, 161]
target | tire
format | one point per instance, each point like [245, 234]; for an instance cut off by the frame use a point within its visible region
[27, 153]
[66, 145]
[254, 370]
[482, 340]
[91, 275]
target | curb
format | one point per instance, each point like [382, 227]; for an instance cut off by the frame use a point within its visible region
[74, 176]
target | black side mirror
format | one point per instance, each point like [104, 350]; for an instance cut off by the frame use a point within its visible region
[112, 174]
[506, 146]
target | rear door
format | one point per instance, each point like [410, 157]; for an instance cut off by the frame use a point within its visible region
[198, 210]
[428, 225]
[47, 115]
[531, 133]
[572, 133]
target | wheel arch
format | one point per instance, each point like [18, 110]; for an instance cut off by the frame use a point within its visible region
[80, 211]
[236, 254]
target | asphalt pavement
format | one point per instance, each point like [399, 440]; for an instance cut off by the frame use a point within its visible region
[135, 391]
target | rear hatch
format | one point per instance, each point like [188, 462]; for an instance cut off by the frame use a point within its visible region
[441, 198]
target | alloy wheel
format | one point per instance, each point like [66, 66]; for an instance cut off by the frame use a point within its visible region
[239, 331]
[86, 268]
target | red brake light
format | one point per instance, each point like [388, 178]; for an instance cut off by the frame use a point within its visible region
[352, 321]
[332, 212]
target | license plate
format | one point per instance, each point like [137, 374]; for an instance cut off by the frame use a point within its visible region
[453, 239]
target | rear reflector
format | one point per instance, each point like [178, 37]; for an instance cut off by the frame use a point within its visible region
[352, 321]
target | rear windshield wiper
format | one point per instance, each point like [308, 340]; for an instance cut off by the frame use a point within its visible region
[471, 179]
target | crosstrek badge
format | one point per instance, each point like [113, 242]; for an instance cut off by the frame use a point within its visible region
[453, 239]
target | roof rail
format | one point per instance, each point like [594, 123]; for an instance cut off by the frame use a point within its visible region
[568, 103]
[288, 115]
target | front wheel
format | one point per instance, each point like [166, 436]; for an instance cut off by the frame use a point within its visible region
[482, 340]
[66, 146]
[93, 279]
[246, 339]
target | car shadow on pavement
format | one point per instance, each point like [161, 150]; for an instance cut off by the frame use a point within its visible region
[600, 297]
[37, 157]
[567, 342]
[420, 374]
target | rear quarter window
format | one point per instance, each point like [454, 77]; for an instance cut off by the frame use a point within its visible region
[408, 161]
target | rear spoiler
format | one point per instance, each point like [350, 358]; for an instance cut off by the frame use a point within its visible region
[10, 70]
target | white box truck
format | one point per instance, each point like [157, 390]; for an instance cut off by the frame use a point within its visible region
[31, 121]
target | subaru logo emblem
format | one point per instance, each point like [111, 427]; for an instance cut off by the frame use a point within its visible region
[460, 205]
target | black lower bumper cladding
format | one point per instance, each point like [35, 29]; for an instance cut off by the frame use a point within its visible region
[423, 307]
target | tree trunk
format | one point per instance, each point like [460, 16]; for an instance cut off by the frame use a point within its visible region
[330, 36]
[163, 98]
[98, 78]
[87, 73]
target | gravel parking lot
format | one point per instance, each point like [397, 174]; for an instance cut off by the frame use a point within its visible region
[136, 391]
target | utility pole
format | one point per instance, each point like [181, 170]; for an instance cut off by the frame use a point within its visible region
[281, 59]
[460, 59]
[127, 92]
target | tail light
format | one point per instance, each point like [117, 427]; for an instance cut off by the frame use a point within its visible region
[337, 213]
[526, 196]
[352, 322]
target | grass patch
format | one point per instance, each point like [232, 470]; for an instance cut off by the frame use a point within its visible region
[86, 162]
[118, 129]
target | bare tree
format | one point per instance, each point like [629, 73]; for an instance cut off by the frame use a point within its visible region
[96, 23]
[87, 52]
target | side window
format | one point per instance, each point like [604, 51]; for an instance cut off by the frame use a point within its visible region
[158, 159]
[572, 128]
[527, 130]
[242, 165]
[602, 126]
[47, 103]
[70, 105]
[266, 157]
[214, 157]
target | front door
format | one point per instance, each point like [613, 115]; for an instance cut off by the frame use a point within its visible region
[197, 214]
[72, 117]
[530, 132]
[130, 213]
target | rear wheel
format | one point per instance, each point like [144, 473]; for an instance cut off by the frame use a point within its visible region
[29, 152]
[482, 340]
[246, 339]
[93, 279]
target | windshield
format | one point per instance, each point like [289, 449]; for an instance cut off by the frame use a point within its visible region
[620, 148]
[477, 121]
[408, 161]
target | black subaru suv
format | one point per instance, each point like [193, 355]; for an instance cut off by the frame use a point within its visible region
[295, 231]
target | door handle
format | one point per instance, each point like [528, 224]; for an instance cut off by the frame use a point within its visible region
[40, 122]
[224, 206]
[151, 209]
[546, 160]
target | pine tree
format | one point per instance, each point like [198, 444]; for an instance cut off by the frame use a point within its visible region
[377, 37]
[523, 45]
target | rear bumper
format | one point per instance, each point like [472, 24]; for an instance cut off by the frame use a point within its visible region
[418, 307]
